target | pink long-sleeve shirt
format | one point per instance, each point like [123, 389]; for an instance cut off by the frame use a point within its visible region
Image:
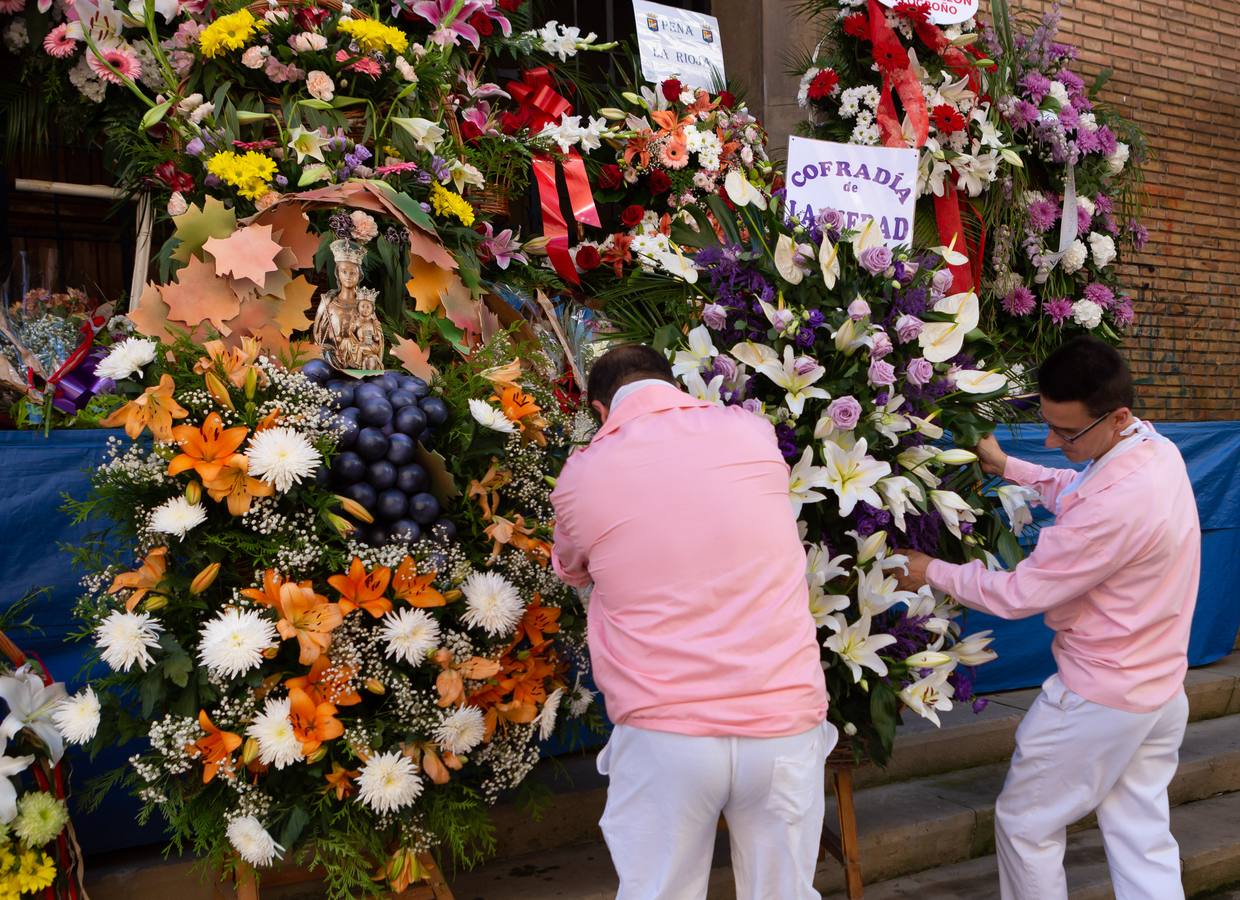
[699, 620]
[1115, 577]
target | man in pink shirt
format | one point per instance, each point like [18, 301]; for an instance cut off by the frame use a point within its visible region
[1116, 578]
[701, 639]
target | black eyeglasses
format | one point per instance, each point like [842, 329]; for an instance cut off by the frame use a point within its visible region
[1073, 438]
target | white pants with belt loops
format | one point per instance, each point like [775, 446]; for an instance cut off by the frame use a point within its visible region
[1074, 757]
[666, 794]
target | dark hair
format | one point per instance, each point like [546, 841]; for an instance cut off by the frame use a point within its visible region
[1090, 371]
[624, 364]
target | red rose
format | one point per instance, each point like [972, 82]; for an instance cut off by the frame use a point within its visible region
[946, 119]
[671, 89]
[822, 84]
[482, 23]
[610, 177]
[890, 55]
[632, 215]
[510, 5]
[587, 258]
[727, 99]
[858, 26]
[659, 182]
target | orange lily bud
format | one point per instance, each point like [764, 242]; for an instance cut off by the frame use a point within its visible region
[342, 526]
[449, 596]
[217, 390]
[271, 652]
[251, 383]
[356, 510]
[205, 578]
[154, 602]
[193, 492]
[249, 752]
[316, 756]
[375, 686]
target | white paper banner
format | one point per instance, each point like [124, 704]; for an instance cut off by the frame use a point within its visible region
[676, 43]
[863, 183]
[946, 12]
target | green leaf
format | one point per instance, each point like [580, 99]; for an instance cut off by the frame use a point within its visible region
[451, 333]
[178, 667]
[1009, 548]
[724, 217]
[151, 691]
[312, 174]
[314, 103]
[155, 115]
[294, 825]
[666, 338]
[342, 102]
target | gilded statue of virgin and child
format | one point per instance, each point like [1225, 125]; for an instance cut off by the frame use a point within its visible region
[346, 326]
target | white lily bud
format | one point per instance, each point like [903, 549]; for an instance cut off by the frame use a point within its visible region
[928, 659]
[956, 456]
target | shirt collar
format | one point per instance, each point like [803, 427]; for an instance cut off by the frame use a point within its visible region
[656, 398]
[631, 388]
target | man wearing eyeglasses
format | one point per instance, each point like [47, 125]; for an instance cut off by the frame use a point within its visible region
[1116, 578]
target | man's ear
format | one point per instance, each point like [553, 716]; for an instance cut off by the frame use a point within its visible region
[600, 410]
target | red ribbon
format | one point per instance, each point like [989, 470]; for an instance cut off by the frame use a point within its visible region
[538, 102]
[905, 84]
[951, 234]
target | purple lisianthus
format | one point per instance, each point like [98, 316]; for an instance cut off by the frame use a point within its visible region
[875, 260]
[905, 271]
[195, 147]
[1058, 308]
[870, 519]
[845, 412]
[1019, 301]
[1035, 86]
[786, 438]
[881, 374]
[1100, 294]
[281, 181]
[752, 405]
[858, 310]
[942, 280]
[715, 316]
[919, 371]
[805, 337]
[1140, 234]
[908, 328]
[814, 318]
[1043, 214]
[881, 345]
[212, 181]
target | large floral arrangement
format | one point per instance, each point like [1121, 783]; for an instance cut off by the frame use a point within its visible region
[1012, 141]
[302, 694]
[861, 356]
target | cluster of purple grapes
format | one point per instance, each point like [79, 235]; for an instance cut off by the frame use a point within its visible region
[383, 418]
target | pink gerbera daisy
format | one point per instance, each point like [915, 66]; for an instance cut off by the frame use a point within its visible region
[120, 58]
[58, 43]
[12, 6]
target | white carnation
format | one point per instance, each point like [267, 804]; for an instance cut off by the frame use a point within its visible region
[1117, 158]
[1087, 313]
[1074, 257]
[1102, 247]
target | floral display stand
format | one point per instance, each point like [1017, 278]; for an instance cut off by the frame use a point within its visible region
[842, 844]
[246, 888]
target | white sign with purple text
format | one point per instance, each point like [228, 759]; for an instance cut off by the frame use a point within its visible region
[862, 182]
[677, 43]
[945, 12]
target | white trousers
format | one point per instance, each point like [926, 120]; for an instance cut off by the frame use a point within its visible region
[1073, 757]
[667, 791]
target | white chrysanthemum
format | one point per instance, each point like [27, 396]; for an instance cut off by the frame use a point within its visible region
[77, 717]
[388, 781]
[125, 638]
[282, 457]
[177, 517]
[278, 744]
[492, 604]
[488, 416]
[548, 714]
[410, 634]
[462, 731]
[127, 358]
[233, 642]
[251, 840]
[580, 699]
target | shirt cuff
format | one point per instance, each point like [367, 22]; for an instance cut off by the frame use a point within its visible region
[939, 573]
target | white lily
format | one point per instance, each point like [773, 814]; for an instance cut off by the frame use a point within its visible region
[804, 477]
[31, 705]
[306, 142]
[700, 351]
[741, 190]
[788, 375]
[823, 606]
[869, 546]
[754, 354]
[9, 766]
[930, 695]
[930, 659]
[1016, 501]
[935, 612]
[821, 567]
[940, 341]
[425, 132]
[829, 262]
[914, 459]
[974, 650]
[972, 381]
[888, 422]
[852, 474]
[786, 250]
[698, 388]
[954, 510]
[877, 592]
[850, 337]
[898, 493]
[857, 647]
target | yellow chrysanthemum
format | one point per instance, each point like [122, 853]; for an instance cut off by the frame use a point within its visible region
[37, 872]
[371, 35]
[250, 172]
[450, 203]
[230, 32]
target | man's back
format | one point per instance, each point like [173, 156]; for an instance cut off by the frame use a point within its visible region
[699, 620]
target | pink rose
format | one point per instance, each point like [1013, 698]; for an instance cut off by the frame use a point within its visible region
[320, 85]
[919, 371]
[858, 310]
[845, 412]
[908, 327]
[881, 374]
[942, 281]
[881, 345]
[307, 42]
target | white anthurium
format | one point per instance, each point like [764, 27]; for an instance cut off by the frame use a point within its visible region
[829, 262]
[857, 647]
[888, 422]
[869, 546]
[803, 478]
[877, 592]
[930, 695]
[953, 508]
[950, 254]
[741, 190]
[786, 260]
[940, 341]
[10, 766]
[796, 376]
[1016, 501]
[972, 381]
[926, 427]
[698, 388]
[677, 265]
[31, 706]
[700, 351]
[915, 460]
[852, 474]
[898, 493]
[955, 456]
[930, 659]
[974, 650]
[868, 236]
[850, 337]
[754, 354]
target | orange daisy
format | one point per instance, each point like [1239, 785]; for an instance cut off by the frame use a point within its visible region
[155, 410]
[204, 449]
[363, 590]
[234, 484]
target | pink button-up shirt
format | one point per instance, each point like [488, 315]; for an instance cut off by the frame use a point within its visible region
[1115, 576]
[699, 620]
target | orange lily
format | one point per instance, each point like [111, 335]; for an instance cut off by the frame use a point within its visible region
[144, 579]
[340, 780]
[521, 408]
[204, 449]
[504, 375]
[487, 490]
[305, 615]
[537, 622]
[234, 484]
[234, 362]
[669, 124]
[638, 146]
[313, 723]
[327, 682]
[155, 410]
[519, 535]
[701, 104]
[271, 420]
[451, 680]
[619, 253]
[216, 749]
[413, 588]
[362, 590]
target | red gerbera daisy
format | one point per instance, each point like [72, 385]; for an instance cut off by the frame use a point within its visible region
[946, 119]
[890, 55]
[916, 11]
[858, 26]
[823, 84]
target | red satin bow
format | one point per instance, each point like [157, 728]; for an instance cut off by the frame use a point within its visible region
[538, 102]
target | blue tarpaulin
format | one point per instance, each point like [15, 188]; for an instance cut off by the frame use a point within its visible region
[36, 470]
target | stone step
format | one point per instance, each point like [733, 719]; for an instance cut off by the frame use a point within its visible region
[903, 827]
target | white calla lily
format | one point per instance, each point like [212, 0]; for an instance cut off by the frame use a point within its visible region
[972, 381]
[829, 262]
[741, 191]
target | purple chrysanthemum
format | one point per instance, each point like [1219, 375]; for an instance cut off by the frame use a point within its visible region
[1099, 293]
[1058, 308]
[1019, 301]
[1043, 214]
